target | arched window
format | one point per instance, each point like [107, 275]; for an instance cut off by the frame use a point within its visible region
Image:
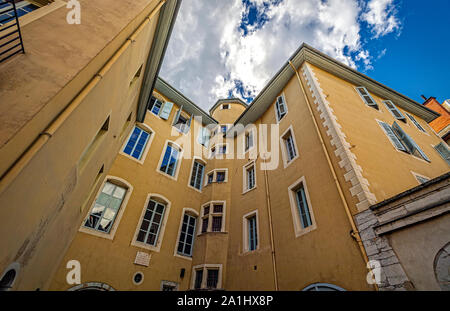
[323, 287]
[92, 286]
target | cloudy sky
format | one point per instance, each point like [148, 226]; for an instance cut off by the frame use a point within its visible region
[224, 48]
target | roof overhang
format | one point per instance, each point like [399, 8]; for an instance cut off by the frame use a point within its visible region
[307, 53]
[166, 20]
[178, 98]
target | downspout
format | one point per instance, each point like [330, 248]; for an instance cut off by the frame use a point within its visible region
[355, 232]
[269, 215]
[45, 136]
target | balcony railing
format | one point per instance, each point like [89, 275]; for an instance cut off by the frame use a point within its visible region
[10, 36]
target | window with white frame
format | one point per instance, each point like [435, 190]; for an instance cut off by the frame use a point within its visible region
[182, 121]
[210, 178]
[220, 176]
[394, 110]
[222, 149]
[443, 151]
[158, 108]
[301, 209]
[136, 143]
[250, 232]
[402, 141]
[197, 175]
[225, 106]
[212, 217]
[170, 160]
[223, 129]
[217, 175]
[207, 276]
[417, 124]
[186, 238]
[366, 97]
[249, 177]
[155, 106]
[151, 223]
[289, 144]
[280, 107]
[106, 207]
[421, 179]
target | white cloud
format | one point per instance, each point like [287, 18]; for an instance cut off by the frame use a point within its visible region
[381, 16]
[208, 51]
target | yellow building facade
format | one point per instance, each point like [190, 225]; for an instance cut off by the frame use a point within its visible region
[267, 196]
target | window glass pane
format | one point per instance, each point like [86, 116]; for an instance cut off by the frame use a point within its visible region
[108, 188]
[151, 223]
[212, 278]
[303, 208]
[136, 143]
[217, 223]
[198, 279]
[204, 225]
[218, 208]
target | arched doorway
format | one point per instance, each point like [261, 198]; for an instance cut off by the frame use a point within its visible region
[323, 287]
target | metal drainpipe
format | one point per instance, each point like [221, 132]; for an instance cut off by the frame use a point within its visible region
[355, 232]
[269, 215]
[26, 157]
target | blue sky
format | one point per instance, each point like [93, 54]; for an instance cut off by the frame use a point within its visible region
[232, 48]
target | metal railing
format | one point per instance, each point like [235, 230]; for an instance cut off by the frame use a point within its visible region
[10, 36]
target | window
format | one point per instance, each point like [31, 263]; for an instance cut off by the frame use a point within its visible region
[158, 108]
[212, 278]
[250, 232]
[207, 276]
[22, 7]
[303, 209]
[248, 140]
[443, 151]
[366, 97]
[198, 279]
[223, 129]
[203, 137]
[93, 146]
[290, 151]
[420, 178]
[416, 123]
[151, 223]
[135, 145]
[223, 149]
[197, 175]
[186, 238]
[402, 141]
[280, 108]
[225, 106]
[323, 287]
[220, 177]
[181, 122]
[394, 110]
[249, 177]
[213, 213]
[106, 207]
[170, 160]
[155, 106]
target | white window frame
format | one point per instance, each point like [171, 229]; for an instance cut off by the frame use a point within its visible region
[115, 225]
[179, 161]
[191, 212]
[210, 216]
[443, 143]
[203, 162]
[151, 133]
[162, 105]
[245, 188]
[245, 237]
[276, 109]
[298, 229]
[284, 152]
[216, 153]
[251, 131]
[214, 172]
[205, 267]
[162, 229]
[417, 176]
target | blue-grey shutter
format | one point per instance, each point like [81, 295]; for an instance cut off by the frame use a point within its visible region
[392, 137]
[165, 110]
[408, 141]
[188, 124]
[394, 110]
[442, 149]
